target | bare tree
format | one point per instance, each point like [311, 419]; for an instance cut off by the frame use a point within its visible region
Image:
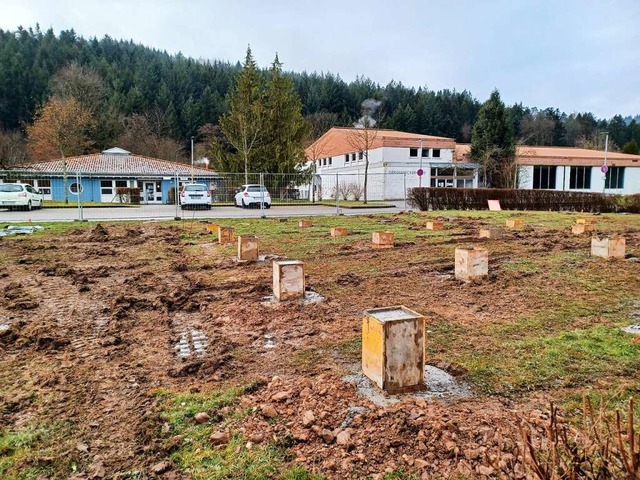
[364, 136]
[13, 149]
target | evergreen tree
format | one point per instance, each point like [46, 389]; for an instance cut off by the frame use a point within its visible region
[243, 122]
[493, 145]
[284, 126]
[631, 147]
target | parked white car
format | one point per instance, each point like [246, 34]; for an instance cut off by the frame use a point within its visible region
[252, 194]
[20, 196]
[195, 195]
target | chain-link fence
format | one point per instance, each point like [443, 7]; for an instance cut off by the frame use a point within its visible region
[83, 190]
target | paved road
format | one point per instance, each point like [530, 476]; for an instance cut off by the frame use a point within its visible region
[167, 212]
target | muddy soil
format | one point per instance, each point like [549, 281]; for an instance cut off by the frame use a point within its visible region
[93, 321]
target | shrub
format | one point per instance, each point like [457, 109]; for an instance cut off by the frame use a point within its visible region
[128, 195]
[427, 198]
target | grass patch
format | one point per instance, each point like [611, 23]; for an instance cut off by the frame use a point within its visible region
[23, 452]
[203, 461]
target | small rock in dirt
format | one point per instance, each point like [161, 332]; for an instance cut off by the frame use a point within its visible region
[281, 396]
[482, 470]
[201, 417]
[327, 436]
[421, 464]
[82, 447]
[256, 438]
[161, 467]
[308, 418]
[219, 438]
[343, 438]
[268, 411]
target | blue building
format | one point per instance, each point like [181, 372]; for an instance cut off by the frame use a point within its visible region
[99, 175]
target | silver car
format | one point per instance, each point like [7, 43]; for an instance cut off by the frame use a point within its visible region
[252, 195]
[20, 196]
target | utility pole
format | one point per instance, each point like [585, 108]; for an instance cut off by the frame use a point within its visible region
[605, 168]
[192, 158]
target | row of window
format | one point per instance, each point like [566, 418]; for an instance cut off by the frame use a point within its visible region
[459, 177]
[544, 177]
[413, 152]
[106, 186]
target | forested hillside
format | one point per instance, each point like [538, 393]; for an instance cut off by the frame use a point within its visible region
[145, 93]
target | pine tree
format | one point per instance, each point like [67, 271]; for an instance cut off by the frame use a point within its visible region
[631, 147]
[284, 126]
[493, 145]
[243, 122]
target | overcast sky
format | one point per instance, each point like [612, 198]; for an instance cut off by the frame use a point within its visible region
[576, 55]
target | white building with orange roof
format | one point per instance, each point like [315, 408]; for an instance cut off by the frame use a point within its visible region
[397, 161]
[572, 169]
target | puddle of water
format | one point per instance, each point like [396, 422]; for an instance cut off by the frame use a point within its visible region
[439, 385]
[309, 298]
[635, 329]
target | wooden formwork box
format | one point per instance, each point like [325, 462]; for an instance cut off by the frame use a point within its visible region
[580, 228]
[393, 349]
[514, 223]
[213, 228]
[305, 224]
[248, 248]
[471, 263]
[608, 247]
[338, 232]
[383, 239]
[586, 221]
[435, 225]
[226, 235]
[492, 233]
[288, 280]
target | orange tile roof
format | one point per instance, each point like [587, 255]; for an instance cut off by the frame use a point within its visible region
[342, 140]
[118, 164]
[532, 155]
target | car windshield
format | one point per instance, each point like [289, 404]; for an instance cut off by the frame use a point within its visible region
[254, 188]
[10, 188]
[195, 188]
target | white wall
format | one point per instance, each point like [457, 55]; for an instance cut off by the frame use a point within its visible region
[631, 180]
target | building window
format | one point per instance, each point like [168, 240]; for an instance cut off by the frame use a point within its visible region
[614, 178]
[459, 177]
[353, 157]
[121, 184]
[106, 187]
[580, 178]
[425, 152]
[360, 155]
[436, 153]
[346, 158]
[45, 186]
[330, 160]
[319, 163]
[544, 177]
[413, 152]
[324, 162]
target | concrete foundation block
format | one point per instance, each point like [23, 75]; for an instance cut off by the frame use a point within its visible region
[288, 280]
[338, 232]
[580, 228]
[514, 223]
[608, 247]
[248, 248]
[492, 233]
[393, 349]
[226, 235]
[435, 225]
[471, 263]
[383, 239]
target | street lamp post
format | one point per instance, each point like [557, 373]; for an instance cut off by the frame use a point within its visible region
[605, 168]
[422, 171]
[192, 158]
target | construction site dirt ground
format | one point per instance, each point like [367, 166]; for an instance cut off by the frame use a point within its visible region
[114, 336]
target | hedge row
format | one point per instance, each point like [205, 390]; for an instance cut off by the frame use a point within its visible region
[426, 198]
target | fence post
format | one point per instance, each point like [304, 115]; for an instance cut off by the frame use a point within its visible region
[176, 194]
[404, 181]
[262, 187]
[79, 190]
[337, 195]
